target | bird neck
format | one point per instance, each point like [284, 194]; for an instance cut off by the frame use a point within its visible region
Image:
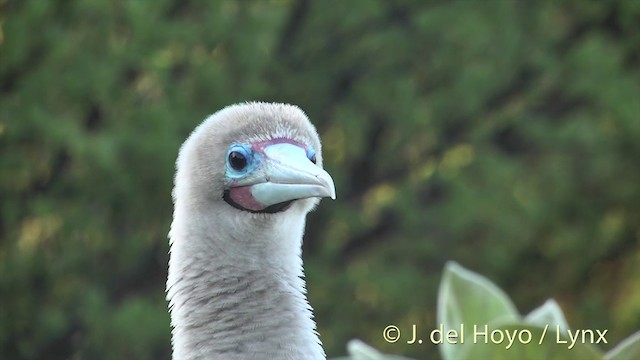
[239, 296]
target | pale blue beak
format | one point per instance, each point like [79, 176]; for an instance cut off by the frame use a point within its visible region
[286, 174]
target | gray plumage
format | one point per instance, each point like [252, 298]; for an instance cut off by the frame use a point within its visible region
[235, 285]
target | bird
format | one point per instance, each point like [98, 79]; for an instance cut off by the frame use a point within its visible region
[245, 180]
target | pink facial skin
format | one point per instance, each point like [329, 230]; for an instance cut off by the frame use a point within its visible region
[259, 146]
[241, 195]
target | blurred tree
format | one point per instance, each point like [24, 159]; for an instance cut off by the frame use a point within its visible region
[503, 135]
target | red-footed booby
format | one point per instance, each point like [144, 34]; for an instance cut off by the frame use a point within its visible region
[246, 179]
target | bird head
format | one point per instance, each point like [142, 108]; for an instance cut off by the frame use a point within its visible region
[255, 158]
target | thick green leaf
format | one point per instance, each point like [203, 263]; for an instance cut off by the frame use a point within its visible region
[468, 299]
[361, 351]
[628, 349]
[358, 350]
[550, 314]
[523, 342]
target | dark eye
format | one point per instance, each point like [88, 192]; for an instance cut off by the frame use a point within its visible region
[312, 156]
[237, 160]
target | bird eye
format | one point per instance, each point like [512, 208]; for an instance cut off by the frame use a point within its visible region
[238, 158]
[312, 156]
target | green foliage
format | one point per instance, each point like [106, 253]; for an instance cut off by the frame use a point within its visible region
[466, 298]
[542, 334]
[471, 300]
[628, 349]
[499, 134]
[361, 351]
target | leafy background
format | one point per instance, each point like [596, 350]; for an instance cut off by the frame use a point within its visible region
[499, 134]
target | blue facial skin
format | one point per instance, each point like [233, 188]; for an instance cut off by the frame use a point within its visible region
[311, 155]
[253, 161]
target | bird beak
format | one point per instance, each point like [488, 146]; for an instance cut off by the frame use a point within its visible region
[287, 174]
